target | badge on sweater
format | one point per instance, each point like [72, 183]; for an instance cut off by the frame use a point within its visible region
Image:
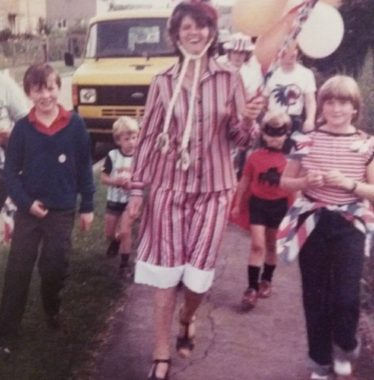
[62, 158]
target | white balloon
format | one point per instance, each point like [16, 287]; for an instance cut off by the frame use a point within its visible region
[322, 33]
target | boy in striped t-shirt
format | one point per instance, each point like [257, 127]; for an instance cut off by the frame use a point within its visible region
[333, 168]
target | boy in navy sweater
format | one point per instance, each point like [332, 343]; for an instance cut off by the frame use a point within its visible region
[48, 164]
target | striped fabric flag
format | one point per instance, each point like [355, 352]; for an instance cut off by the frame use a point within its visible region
[291, 237]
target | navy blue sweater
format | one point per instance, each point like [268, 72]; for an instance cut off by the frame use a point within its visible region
[53, 169]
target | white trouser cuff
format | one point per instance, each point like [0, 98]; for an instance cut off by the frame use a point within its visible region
[158, 276]
[197, 280]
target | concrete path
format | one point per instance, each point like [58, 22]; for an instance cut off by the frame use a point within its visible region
[267, 343]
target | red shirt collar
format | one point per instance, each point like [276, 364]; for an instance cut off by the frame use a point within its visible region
[61, 121]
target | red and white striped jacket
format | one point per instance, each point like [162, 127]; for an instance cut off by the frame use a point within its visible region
[215, 126]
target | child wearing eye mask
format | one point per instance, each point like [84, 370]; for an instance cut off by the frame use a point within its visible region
[267, 205]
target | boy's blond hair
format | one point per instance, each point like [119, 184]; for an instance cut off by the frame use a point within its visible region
[124, 124]
[276, 119]
[341, 87]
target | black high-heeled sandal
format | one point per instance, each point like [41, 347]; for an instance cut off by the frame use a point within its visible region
[186, 341]
[155, 363]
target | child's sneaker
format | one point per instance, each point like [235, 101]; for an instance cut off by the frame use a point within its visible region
[249, 299]
[265, 289]
[316, 376]
[343, 370]
[113, 248]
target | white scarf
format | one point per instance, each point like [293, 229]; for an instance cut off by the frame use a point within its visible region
[162, 141]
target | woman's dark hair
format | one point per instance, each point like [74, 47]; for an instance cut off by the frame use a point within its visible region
[37, 75]
[202, 13]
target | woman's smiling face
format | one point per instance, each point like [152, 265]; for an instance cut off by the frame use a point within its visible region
[193, 37]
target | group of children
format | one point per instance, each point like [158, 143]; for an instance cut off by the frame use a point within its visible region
[307, 189]
[330, 174]
[48, 165]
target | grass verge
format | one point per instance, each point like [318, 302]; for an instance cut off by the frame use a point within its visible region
[92, 289]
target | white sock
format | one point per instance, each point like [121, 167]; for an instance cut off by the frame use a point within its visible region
[316, 376]
[342, 367]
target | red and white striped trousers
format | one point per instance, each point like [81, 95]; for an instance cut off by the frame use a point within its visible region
[180, 236]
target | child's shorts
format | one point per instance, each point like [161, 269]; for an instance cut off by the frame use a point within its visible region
[115, 208]
[268, 213]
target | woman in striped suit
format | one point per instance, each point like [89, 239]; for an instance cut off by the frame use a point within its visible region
[184, 163]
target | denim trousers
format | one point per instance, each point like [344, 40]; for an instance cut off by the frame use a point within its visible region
[47, 241]
[331, 263]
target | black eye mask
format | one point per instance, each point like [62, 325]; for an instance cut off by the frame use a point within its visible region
[275, 132]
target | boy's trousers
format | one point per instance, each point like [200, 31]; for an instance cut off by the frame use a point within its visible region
[47, 240]
[331, 262]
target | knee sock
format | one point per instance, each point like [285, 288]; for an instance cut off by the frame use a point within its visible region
[253, 276]
[124, 260]
[267, 274]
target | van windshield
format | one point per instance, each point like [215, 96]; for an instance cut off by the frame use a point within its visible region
[143, 37]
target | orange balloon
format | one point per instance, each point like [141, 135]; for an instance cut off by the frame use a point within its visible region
[255, 17]
[268, 44]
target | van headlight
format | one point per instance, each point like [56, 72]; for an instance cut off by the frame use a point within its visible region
[87, 95]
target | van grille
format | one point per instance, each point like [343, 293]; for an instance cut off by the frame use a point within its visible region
[116, 112]
[121, 95]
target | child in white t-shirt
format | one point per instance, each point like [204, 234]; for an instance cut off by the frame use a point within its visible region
[291, 89]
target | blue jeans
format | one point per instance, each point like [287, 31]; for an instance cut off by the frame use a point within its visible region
[331, 262]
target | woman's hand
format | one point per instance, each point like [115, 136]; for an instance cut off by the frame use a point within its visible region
[253, 108]
[134, 206]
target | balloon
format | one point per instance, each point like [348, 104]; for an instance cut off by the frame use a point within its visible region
[322, 33]
[255, 17]
[268, 44]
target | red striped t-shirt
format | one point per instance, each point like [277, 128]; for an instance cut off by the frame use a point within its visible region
[325, 151]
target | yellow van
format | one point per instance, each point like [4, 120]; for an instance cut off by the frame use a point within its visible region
[124, 50]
